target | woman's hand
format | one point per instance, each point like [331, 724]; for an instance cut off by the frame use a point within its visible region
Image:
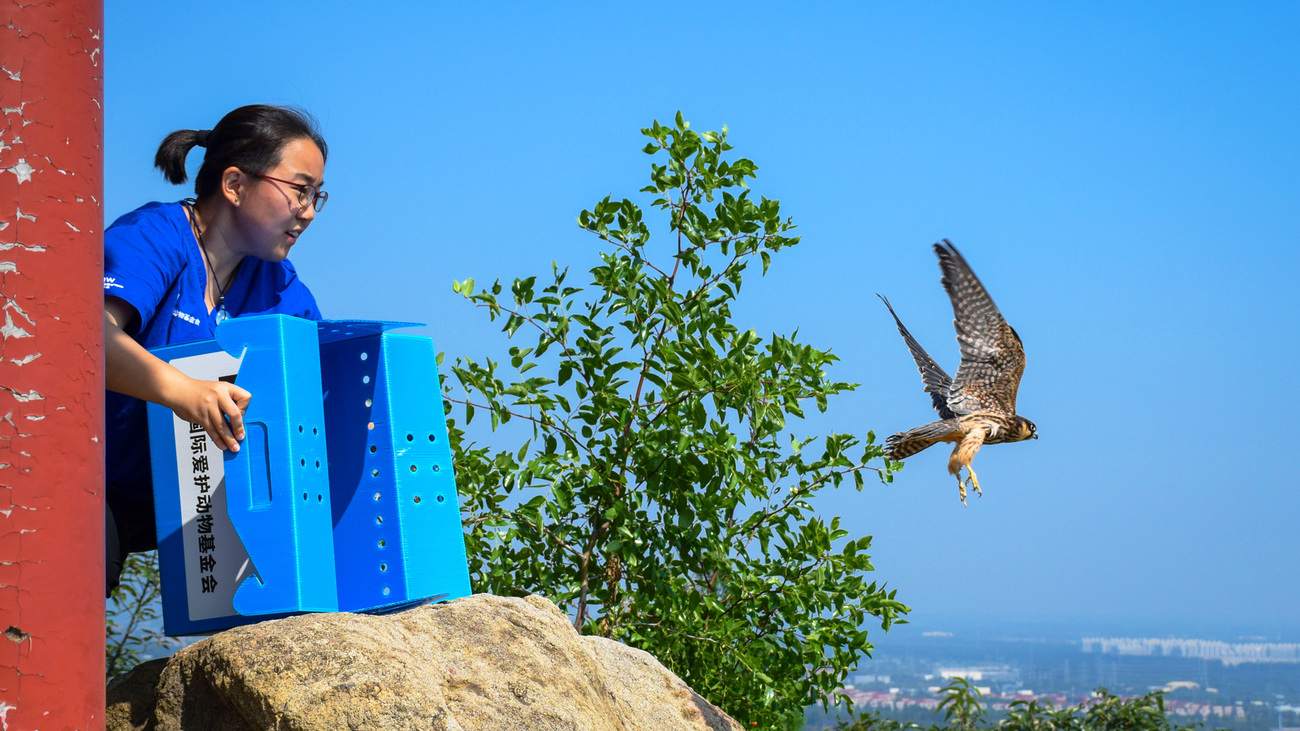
[210, 404]
[217, 406]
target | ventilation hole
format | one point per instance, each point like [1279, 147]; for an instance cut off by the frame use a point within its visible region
[302, 462]
[436, 468]
[320, 498]
[383, 567]
[300, 428]
[318, 464]
[387, 591]
[373, 449]
[432, 438]
[304, 496]
[314, 431]
[382, 543]
[441, 498]
[370, 426]
[364, 356]
[377, 496]
[374, 473]
[417, 498]
[410, 437]
[412, 468]
[365, 379]
[379, 520]
[368, 403]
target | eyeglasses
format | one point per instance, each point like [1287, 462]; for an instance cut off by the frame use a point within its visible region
[308, 195]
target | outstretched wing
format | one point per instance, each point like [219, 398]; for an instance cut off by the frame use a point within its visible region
[992, 356]
[937, 381]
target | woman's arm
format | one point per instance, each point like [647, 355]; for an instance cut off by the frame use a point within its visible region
[134, 371]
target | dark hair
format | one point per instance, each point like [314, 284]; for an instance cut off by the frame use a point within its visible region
[250, 138]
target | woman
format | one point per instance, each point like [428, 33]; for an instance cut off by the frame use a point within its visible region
[172, 271]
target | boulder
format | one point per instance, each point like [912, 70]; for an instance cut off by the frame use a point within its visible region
[479, 663]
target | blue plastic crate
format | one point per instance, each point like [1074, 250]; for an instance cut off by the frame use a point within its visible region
[342, 496]
[397, 530]
[245, 536]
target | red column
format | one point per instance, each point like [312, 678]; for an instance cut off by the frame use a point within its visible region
[51, 365]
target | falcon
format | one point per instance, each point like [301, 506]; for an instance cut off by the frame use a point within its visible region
[977, 407]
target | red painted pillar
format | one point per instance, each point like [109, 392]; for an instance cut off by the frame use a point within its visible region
[51, 365]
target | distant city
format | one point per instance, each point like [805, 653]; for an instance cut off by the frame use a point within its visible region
[1251, 685]
[1229, 654]
[997, 703]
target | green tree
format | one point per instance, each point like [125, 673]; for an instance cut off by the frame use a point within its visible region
[962, 704]
[660, 495]
[133, 619]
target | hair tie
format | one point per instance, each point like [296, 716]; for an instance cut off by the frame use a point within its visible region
[201, 139]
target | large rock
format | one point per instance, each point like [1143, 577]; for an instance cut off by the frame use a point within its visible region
[483, 662]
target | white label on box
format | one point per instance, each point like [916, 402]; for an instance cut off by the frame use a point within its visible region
[216, 561]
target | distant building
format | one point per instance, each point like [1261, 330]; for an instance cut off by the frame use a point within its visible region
[1228, 653]
[989, 673]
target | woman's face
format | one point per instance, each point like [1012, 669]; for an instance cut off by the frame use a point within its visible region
[270, 219]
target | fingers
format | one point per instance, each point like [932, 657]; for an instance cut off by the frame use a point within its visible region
[219, 408]
[233, 406]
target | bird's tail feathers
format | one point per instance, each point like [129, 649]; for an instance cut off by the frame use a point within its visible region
[905, 444]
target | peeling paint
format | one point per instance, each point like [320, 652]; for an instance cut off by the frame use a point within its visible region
[13, 75]
[74, 228]
[21, 215]
[31, 395]
[24, 361]
[23, 170]
[60, 170]
[10, 330]
[8, 267]
[11, 305]
[27, 247]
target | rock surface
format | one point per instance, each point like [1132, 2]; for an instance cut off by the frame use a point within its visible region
[479, 663]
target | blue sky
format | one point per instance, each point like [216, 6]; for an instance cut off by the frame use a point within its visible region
[1122, 177]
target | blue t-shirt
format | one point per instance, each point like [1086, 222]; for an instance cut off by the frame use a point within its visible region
[153, 262]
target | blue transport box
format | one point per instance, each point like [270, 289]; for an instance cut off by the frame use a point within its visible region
[342, 496]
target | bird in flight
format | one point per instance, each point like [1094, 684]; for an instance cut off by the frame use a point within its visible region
[978, 406]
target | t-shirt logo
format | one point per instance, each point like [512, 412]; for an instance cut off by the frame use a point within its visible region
[191, 319]
[111, 282]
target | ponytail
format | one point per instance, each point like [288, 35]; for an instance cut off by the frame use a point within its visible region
[171, 155]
